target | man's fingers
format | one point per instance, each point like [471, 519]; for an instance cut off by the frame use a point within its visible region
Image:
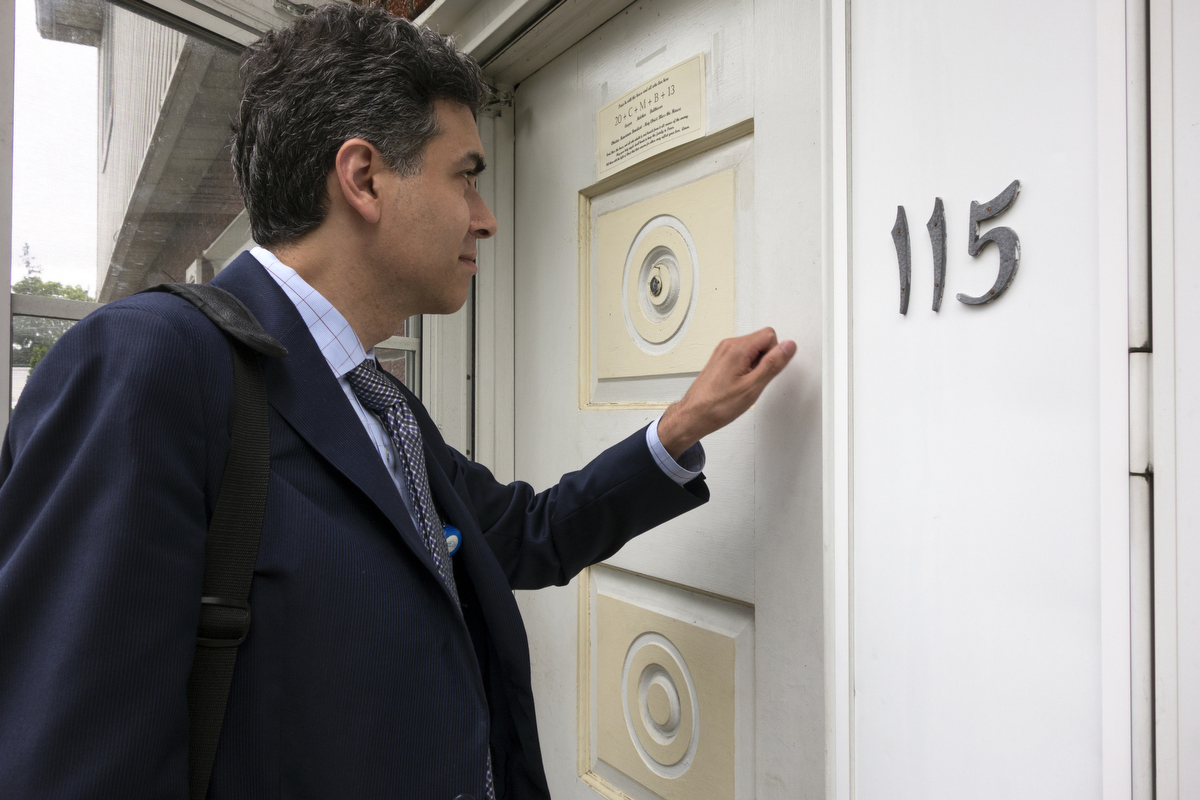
[762, 340]
[735, 375]
[756, 345]
[773, 362]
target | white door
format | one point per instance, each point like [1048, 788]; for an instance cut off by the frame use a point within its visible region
[691, 666]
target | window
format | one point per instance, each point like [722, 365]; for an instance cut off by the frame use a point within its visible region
[401, 354]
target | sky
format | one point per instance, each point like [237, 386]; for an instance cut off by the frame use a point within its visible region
[54, 155]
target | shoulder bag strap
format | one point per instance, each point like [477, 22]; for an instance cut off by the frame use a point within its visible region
[231, 547]
[229, 555]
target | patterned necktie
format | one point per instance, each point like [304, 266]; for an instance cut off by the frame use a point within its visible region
[378, 394]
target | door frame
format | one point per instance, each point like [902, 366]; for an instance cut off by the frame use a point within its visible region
[1174, 171]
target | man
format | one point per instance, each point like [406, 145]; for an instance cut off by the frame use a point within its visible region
[377, 664]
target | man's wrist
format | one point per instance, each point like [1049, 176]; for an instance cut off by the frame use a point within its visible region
[683, 468]
[673, 433]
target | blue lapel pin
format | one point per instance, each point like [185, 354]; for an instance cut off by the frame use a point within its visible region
[453, 538]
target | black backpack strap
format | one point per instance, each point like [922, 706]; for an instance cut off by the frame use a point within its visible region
[231, 547]
[227, 313]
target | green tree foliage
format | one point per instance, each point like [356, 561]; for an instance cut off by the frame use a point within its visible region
[33, 336]
[41, 288]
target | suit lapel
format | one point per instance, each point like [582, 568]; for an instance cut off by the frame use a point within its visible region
[476, 555]
[304, 391]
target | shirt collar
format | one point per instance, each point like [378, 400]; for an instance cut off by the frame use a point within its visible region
[334, 336]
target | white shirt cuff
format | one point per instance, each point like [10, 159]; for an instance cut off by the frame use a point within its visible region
[690, 464]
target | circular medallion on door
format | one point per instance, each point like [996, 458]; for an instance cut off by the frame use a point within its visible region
[662, 708]
[661, 283]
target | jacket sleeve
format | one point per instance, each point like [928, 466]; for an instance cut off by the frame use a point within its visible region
[544, 538]
[104, 474]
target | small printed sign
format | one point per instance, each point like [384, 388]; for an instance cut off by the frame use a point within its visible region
[664, 112]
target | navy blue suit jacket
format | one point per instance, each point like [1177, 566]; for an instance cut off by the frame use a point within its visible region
[359, 677]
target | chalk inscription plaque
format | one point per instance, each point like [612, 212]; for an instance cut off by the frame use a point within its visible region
[664, 112]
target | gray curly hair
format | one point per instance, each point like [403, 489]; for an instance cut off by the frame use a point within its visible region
[342, 72]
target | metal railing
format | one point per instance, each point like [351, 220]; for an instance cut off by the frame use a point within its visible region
[28, 305]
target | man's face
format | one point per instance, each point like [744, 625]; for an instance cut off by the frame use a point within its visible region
[435, 218]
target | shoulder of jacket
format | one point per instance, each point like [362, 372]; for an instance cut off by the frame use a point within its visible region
[150, 313]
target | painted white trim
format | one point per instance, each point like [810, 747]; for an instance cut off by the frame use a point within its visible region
[1141, 605]
[495, 425]
[8, 27]
[1166, 677]
[1113, 372]
[230, 243]
[792, 156]
[444, 15]
[838, 422]
[410, 343]
[239, 21]
[549, 36]
[1137, 103]
[447, 364]
[483, 29]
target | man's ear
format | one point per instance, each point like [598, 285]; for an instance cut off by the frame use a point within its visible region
[357, 169]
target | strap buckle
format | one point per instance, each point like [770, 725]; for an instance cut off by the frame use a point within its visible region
[225, 620]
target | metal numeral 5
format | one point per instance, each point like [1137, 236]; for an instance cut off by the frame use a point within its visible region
[1006, 239]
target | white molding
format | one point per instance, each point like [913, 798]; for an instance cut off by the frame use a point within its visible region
[242, 21]
[792, 158]
[485, 27]
[495, 426]
[443, 15]
[550, 36]
[1137, 103]
[447, 360]
[838, 405]
[1141, 610]
[515, 39]
[1166, 675]
[230, 243]
[1113, 372]
[410, 343]
[1175, 289]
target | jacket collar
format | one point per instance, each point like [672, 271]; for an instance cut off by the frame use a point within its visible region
[303, 390]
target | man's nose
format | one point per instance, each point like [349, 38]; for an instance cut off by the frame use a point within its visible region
[483, 223]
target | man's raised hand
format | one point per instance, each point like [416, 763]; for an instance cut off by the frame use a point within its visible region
[735, 375]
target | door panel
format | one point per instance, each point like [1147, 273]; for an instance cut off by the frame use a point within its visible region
[571, 403]
[718, 555]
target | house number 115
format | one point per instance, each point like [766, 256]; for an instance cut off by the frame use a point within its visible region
[1006, 241]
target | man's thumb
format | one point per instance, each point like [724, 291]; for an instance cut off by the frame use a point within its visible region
[773, 362]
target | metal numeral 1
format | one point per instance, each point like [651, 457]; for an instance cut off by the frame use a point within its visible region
[903, 255]
[937, 240]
